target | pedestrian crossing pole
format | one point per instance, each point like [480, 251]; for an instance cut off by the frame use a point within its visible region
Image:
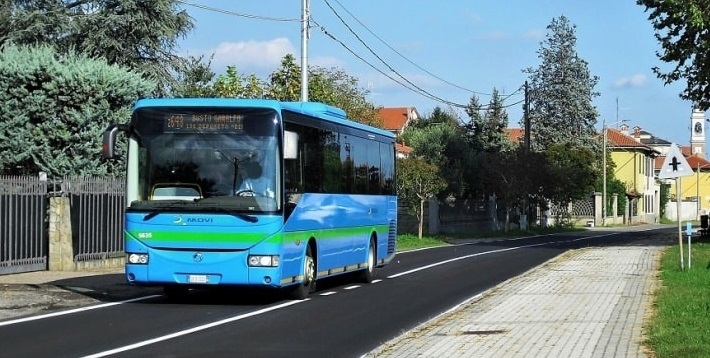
[676, 166]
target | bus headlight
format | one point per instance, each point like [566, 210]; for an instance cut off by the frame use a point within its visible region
[140, 259]
[263, 260]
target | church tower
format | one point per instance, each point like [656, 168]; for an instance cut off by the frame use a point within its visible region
[697, 130]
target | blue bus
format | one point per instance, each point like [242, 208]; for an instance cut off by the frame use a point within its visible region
[255, 193]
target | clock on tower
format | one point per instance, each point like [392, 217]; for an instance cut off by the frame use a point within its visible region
[697, 136]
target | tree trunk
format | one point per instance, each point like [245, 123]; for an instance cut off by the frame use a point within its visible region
[421, 218]
[507, 219]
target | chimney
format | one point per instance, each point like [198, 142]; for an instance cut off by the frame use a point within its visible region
[624, 129]
[637, 133]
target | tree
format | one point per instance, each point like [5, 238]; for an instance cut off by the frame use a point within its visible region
[234, 85]
[438, 116]
[443, 144]
[485, 130]
[195, 80]
[139, 35]
[417, 182]
[330, 86]
[682, 30]
[562, 91]
[570, 175]
[54, 108]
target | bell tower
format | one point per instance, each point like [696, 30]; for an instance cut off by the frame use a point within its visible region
[697, 130]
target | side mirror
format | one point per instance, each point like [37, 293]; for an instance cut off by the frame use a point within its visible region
[109, 145]
[290, 145]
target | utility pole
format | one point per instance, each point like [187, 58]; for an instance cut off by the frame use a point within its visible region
[526, 114]
[604, 173]
[526, 117]
[305, 19]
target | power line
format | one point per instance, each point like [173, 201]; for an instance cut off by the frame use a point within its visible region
[418, 89]
[233, 13]
[411, 86]
[404, 57]
[413, 89]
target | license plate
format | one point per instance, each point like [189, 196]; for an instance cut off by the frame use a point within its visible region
[197, 278]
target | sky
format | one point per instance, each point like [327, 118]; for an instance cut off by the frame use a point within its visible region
[450, 49]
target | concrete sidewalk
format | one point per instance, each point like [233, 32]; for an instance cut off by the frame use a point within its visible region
[586, 303]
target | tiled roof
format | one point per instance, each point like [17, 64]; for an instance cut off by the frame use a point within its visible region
[401, 148]
[516, 135]
[395, 118]
[616, 138]
[694, 161]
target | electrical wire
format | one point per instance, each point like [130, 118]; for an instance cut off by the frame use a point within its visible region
[409, 85]
[404, 57]
[412, 84]
[233, 13]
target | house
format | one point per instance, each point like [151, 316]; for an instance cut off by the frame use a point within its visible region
[635, 167]
[395, 120]
[516, 135]
[694, 190]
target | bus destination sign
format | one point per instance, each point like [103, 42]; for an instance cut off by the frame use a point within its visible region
[204, 122]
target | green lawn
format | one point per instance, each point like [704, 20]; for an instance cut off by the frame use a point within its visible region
[680, 326]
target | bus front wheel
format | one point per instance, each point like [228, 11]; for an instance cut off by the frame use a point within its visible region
[305, 288]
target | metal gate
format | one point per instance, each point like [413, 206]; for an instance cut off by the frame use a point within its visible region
[23, 224]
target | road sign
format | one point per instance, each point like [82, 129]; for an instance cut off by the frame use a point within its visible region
[675, 165]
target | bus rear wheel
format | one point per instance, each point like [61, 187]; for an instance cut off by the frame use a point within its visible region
[305, 288]
[368, 274]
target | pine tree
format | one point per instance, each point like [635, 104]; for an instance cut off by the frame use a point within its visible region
[562, 91]
[486, 128]
[139, 35]
[54, 109]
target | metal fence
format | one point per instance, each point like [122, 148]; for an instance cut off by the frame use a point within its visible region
[96, 214]
[23, 224]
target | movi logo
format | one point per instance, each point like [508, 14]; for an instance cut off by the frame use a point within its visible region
[200, 220]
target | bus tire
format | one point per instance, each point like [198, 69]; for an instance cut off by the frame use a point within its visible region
[368, 274]
[305, 288]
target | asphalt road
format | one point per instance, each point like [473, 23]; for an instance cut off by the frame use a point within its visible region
[342, 319]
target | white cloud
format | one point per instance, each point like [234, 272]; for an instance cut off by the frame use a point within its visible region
[534, 34]
[633, 81]
[492, 36]
[248, 56]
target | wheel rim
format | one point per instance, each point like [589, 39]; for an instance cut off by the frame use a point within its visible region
[309, 270]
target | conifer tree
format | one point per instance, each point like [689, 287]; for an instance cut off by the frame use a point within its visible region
[561, 92]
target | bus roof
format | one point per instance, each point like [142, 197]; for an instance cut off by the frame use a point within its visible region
[316, 109]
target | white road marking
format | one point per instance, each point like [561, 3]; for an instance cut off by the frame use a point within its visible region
[75, 310]
[351, 287]
[376, 281]
[435, 264]
[193, 330]
[328, 293]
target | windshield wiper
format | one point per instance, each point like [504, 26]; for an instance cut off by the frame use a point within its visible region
[245, 217]
[152, 214]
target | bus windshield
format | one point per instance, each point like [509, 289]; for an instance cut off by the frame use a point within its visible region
[201, 159]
